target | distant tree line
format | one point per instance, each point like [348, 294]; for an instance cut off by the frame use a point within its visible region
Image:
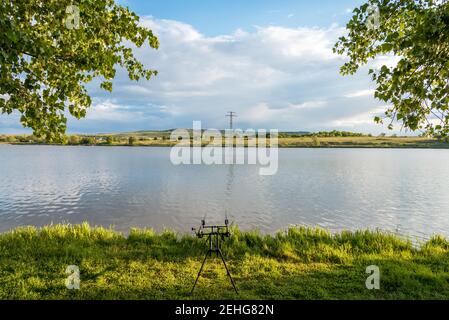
[20, 139]
[123, 139]
[81, 139]
[335, 133]
[69, 140]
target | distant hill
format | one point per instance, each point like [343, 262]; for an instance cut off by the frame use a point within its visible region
[298, 133]
[153, 133]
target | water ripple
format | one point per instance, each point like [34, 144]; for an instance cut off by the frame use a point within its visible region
[126, 187]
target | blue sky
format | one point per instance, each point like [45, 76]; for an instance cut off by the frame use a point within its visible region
[214, 17]
[271, 61]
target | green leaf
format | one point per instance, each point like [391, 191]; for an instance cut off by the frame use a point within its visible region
[45, 65]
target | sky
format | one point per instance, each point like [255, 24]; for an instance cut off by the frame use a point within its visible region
[271, 61]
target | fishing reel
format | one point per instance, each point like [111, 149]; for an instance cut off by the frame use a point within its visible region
[222, 231]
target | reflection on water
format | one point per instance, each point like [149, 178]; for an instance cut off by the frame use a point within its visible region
[128, 187]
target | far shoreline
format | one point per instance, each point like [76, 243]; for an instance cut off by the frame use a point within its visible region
[323, 139]
[284, 143]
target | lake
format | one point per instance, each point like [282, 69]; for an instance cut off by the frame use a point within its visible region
[128, 187]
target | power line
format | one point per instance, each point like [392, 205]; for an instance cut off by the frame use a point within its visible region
[231, 115]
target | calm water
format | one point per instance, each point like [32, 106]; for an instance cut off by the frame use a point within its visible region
[139, 187]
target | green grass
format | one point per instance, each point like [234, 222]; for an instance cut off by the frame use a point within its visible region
[363, 142]
[298, 264]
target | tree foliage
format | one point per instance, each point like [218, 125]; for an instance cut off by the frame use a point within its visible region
[45, 65]
[336, 133]
[417, 32]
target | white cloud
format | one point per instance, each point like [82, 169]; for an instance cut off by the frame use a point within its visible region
[308, 105]
[360, 93]
[109, 110]
[265, 114]
[276, 77]
[365, 118]
[389, 60]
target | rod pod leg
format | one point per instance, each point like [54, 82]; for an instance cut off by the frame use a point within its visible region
[199, 273]
[227, 270]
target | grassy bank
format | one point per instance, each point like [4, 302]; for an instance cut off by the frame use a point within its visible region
[298, 264]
